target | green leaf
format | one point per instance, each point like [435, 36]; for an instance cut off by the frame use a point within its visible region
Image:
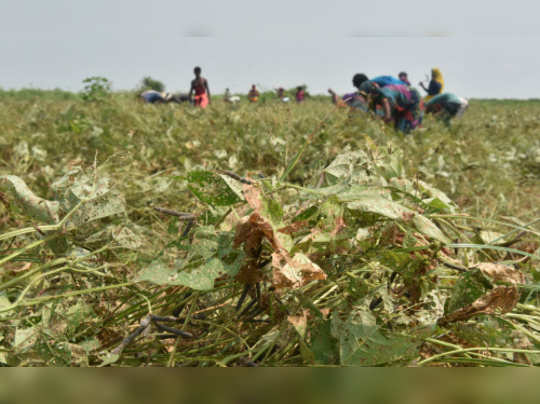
[211, 188]
[373, 201]
[361, 342]
[469, 287]
[306, 214]
[273, 211]
[200, 278]
[428, 228]
[323, 345]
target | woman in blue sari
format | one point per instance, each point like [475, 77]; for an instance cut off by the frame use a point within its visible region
[401, 105]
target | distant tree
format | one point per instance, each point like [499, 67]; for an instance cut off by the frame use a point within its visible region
[148, 83]
[96, 88]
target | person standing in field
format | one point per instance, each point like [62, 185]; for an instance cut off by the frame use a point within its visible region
[446, 106]
[300, 94]
[253, 95]
[227, 95]
[200, 87]
[281, 95]
[436, 84]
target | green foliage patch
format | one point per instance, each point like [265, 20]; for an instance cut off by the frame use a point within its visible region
[284, 235]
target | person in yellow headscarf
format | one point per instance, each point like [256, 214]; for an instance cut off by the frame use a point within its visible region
[436, 85]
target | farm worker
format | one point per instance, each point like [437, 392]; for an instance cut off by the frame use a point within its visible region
[363, 84]
[300, 94]
[199, 86]
[227, 95]
[404, 78]
[436, 85]
[446, 106]
[231, 99]
[281, 95]
[253, 95]
[153, 96]
[384, 81]
[354, 100]
[401, 105]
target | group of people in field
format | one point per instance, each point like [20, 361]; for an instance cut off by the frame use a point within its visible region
[397, 102]
[392, 99]
[199, 93]
[254, 94]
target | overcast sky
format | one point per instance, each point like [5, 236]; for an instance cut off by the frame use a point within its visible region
[484, 49]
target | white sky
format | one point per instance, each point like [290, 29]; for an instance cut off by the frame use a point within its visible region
[484, 49]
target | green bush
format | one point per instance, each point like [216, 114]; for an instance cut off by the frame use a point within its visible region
[148, 83]
[96, 88]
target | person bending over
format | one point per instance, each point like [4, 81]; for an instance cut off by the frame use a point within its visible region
[446, 106]
[400, 105]
[155, 97]
[353, 100]
[404, 78]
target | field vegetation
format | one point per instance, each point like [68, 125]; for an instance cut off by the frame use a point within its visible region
[270, 234]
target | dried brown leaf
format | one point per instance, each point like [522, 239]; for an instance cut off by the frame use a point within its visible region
[294, 227]
[296, 272]
[299, 323]
[340, 225]
[288, 272]
[253, 197]
[500, 300]
[501, 273]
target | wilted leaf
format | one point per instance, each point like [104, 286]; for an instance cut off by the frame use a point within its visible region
[126, 237]
[234, 185]
[347, 165]
[500, 300]
[362, 234]
[492, 237]
[200, 278]
[299, 323]
[288, 272]
[296, 272]
[4, 303]
[428, 228]
[25, 338]
[501, 273]
[34, 206]
[373, 201]
[469, 287]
